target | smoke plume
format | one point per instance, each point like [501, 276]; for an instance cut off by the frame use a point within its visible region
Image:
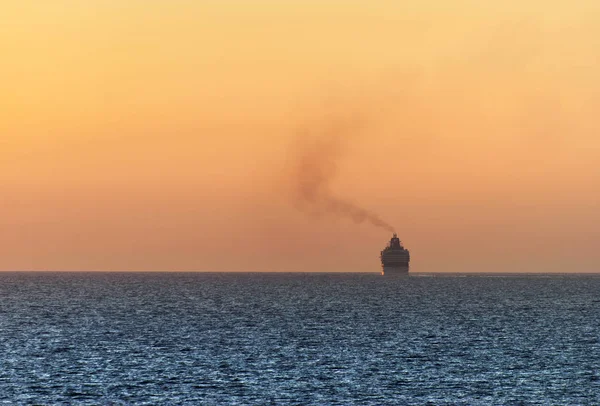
[315, 164]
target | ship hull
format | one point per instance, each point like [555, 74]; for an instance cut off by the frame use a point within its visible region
[395, 270]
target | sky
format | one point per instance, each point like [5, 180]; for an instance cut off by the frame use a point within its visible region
[178, 135]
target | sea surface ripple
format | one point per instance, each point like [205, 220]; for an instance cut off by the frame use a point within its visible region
[302, 339]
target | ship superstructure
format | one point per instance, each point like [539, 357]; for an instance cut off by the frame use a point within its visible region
[395, 258]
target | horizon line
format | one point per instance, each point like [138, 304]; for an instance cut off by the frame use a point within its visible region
[425, 273]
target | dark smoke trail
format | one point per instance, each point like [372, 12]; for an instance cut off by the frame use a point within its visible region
[315, 166]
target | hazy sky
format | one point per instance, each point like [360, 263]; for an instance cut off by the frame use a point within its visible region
[166, 134]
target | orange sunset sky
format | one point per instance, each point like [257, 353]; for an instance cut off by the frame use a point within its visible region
[165, 134]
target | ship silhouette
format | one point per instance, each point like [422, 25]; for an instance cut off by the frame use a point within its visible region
[395, 258]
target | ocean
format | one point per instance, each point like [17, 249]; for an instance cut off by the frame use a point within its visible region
[299, 339]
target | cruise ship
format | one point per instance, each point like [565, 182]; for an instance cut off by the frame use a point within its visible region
[395, 258]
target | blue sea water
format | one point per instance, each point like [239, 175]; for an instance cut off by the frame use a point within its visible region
[339, 339]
